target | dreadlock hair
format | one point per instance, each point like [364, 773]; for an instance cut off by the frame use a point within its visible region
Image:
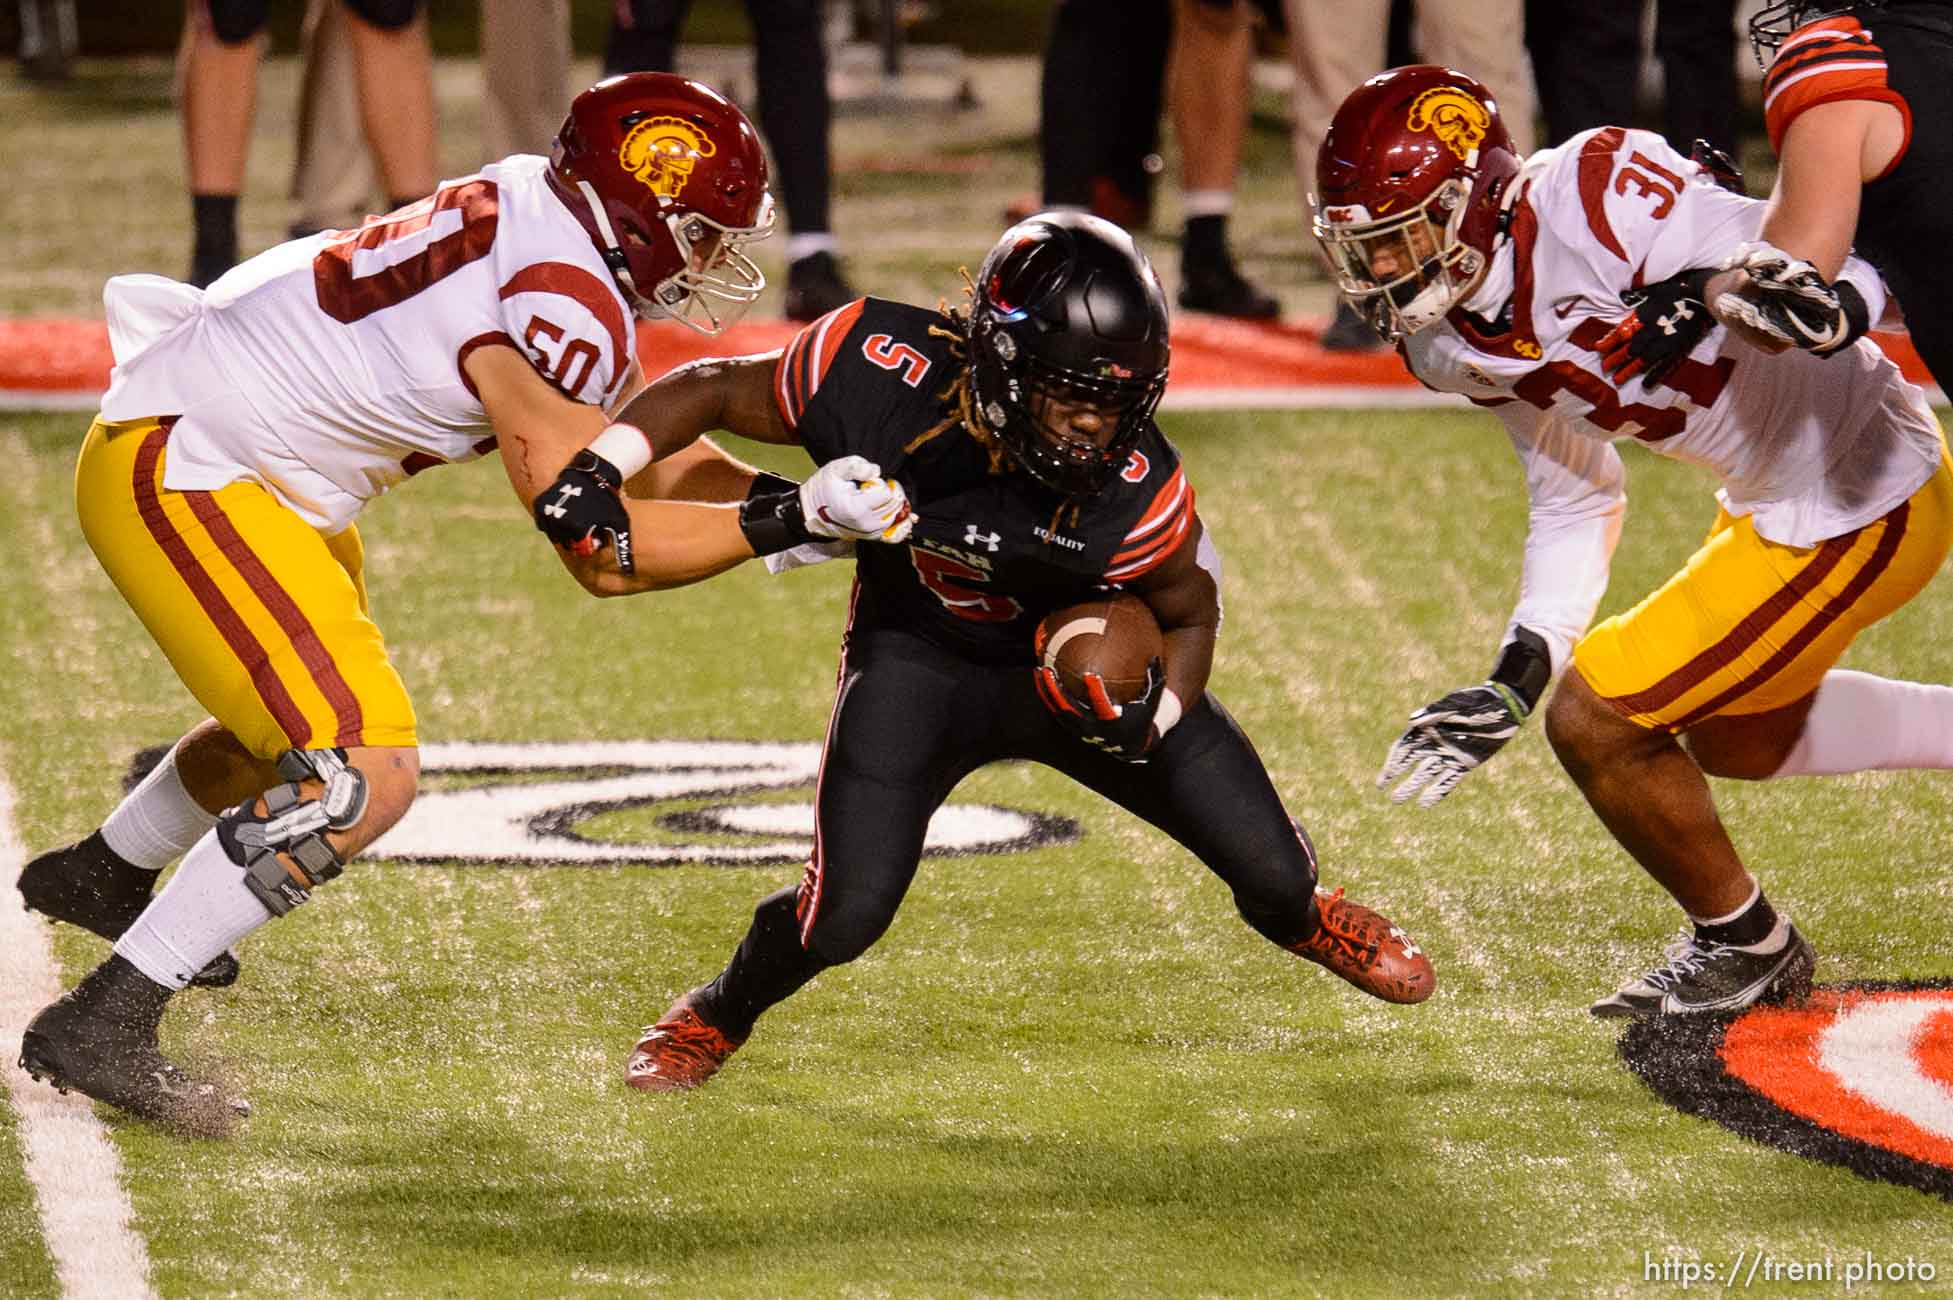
[956, 396]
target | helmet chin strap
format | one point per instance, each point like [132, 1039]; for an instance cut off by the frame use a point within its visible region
[613, 254]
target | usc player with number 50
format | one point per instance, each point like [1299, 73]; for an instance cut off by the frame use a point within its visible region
[1501, 278]
[246, 426]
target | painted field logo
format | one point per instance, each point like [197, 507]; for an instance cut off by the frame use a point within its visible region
[1860, 1076]
[527, 804]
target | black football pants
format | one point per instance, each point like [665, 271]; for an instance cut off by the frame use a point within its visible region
[911, 721]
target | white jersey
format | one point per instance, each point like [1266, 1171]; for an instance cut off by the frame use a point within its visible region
[1809, 447]
[331, 367]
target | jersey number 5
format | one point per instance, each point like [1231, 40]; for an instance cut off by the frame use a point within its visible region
[348, 292]
[885, 352]
[947, 578]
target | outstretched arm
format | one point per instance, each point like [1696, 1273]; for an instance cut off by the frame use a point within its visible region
[539, 431]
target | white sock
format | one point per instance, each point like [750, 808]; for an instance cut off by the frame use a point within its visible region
[1862, 723]
[799, 246]
[1206, 203]
[158, 821]
[202, 911]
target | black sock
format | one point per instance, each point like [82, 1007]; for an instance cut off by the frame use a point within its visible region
[1750, 926]
[768, 967]
[1204, 241]
[213, 217]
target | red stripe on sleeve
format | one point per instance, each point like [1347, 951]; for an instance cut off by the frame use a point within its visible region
[1596, 168]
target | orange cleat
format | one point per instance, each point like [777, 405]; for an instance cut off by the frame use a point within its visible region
[1365, 948]
[681, 1051]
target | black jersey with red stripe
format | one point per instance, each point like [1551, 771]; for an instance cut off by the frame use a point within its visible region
[1901, 54]
[992, 552]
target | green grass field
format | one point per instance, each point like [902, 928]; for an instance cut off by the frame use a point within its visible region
[1066, 1071]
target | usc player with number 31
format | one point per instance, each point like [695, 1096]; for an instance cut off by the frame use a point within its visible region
[1502, 278]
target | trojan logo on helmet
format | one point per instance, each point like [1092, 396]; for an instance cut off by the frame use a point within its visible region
[668, 179]
[1455, 118]
[663, 152]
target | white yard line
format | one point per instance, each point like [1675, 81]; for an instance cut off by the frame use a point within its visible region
[74, 1169]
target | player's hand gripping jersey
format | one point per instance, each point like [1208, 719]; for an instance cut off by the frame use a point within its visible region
[330, 368]
[992, 553]
[1808, 447]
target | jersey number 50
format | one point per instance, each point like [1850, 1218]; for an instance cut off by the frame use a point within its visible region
[347, 295]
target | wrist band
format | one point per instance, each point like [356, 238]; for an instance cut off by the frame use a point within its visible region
[625, 446]
[1168, 713]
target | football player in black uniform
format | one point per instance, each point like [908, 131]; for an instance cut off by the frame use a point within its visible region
[1021, 430]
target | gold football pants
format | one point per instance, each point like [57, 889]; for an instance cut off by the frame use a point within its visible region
[1749, 626]
[263, 617]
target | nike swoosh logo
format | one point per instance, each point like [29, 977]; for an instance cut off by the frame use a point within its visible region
[1563, 309]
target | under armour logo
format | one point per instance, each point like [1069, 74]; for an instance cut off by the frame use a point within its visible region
[989, 541]
[1683, 311]
[560, 506]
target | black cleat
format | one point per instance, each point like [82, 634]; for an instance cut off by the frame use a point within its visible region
[1349, 332]
[1698, 977]
[815, 287]
[100, 1041]
[89, 885]
[1220, 289]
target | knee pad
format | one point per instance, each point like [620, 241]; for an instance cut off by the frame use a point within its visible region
[237, 21]
[283, 850]
[388, 15]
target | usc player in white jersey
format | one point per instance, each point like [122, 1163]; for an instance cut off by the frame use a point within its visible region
[1500, 278]
[245, 427]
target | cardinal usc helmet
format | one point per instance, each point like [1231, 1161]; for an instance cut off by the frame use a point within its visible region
[1411, 189]
[1067, 310]
[669, 180]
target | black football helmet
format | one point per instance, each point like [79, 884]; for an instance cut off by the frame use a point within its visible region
[1067, 308]
[1772, 25]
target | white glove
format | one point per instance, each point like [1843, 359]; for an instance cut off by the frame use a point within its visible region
[849, 498]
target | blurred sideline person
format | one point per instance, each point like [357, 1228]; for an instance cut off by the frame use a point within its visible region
[1335, 44]
[1499, 278]
[218, 70]
[1105, 64]
[795, 113]
[525, 82]
[244, 429]
[1586, 61]
[1857, 101]
[1021, 430]
[1212, 74]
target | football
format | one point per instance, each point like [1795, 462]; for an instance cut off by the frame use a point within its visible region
[1114, 636]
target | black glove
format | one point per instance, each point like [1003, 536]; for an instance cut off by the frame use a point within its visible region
[1124, 731]
[1721, 167]
[582, 512]
[1668, 320]
[1449, 737]
[1789, 301]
